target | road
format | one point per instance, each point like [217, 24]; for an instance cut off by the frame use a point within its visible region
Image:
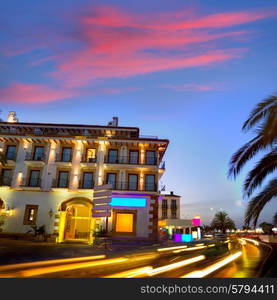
[231, 258]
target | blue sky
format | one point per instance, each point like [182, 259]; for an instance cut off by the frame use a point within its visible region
[187, 71]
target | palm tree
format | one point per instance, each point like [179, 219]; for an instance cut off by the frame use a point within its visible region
[263, 119]
[275, 220]
[222, 221]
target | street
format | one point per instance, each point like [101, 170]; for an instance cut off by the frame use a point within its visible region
[229, 258]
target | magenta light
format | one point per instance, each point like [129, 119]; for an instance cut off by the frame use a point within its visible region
[196, 222]
[177, 237]
[131, 194]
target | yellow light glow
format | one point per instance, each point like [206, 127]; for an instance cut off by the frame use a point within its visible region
[242, 242]
[214, 267]
[189, 249]
[211, 245]
[131, 273]
[171, 248]
[175, 265]
[124, 222]
[251, 241]
[69, 267]
[49, 262]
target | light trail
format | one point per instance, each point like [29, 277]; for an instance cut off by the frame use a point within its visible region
[214, 267]
[175, 265]
[251, 241]
[190, 249]
[49, 262]
[242, 242]
[69, 267]
[211, 245]
[131, 273]
[171, 248]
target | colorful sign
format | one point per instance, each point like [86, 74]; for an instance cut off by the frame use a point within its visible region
[101, 200]
[179, 237]
[128, 202]
[196, 221]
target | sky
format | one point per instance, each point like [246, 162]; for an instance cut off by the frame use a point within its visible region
[189, 71]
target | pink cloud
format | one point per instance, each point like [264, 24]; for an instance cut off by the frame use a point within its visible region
[112, 43]
[33, 93]
[196, 87]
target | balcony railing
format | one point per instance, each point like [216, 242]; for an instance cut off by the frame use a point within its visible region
[61, 158]
[61, 183]
[132, 186]
[88, 159]
[130, 160]
[34, 157]
[86, 184]
[32, 182]
[5, 180]
[11, 156]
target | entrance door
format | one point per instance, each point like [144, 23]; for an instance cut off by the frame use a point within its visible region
[78, 221]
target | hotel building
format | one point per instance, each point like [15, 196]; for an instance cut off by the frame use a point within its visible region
[52, 169]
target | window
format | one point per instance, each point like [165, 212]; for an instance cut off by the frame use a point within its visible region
[164, 203]
[134, 157]
[11, 152]
[63, 179]
[6, 177]
[88, 180]
[34, 179]
[173, 204]
[150, 183]
[30, 215]
[113, 156]
[173, 214]
[111, 179]
[124, 222]
[91, 155]
[164, 214]
[38, 153]
[66, 154]
[133, 182]
[150, 158]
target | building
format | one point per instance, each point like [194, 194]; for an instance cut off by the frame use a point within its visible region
[169, 206]
[170, 222]
[52, 169]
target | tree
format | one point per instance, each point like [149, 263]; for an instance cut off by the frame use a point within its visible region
[275, 220]
[266, 227]
[222, 221]
[263, 120]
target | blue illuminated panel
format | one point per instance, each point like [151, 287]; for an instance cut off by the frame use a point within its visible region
[129, 202]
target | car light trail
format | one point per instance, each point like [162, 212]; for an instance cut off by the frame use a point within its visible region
[69, 267]
[171, 248]
[211, 245]
[49, 262]
[189, 249]
[251, 241]
[214, 267]
[175, 265]
[242, 242]
[131, 273]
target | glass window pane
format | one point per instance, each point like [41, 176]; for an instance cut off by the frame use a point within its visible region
[63, 179]
[133, 157]
[150, 182]
[112, 158]
[34, 178]
[88, 180]
[91, 155]
[150, 157]
[133, 182]
[38, 154]
[66, 154]
[111, 179]
[11, 152]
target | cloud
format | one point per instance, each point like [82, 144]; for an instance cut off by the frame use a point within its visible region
[106, 42]
[196, 87]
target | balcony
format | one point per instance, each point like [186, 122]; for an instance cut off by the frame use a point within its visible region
[31, 183]
[132, 186]
[35, 159]
[5, 180]
[88, 160]
[127, 160]
[61, 183]
[86, 184]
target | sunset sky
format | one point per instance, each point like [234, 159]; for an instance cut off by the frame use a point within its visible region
[189, 71]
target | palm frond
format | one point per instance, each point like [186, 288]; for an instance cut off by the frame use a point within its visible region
[244, 154]
[259, 112]
[256, 205]
[263, 168]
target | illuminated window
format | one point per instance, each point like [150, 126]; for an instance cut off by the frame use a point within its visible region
[91, 155]
[124, 222]
[30, 215]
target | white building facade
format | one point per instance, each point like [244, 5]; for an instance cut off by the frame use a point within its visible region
[51, 171]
